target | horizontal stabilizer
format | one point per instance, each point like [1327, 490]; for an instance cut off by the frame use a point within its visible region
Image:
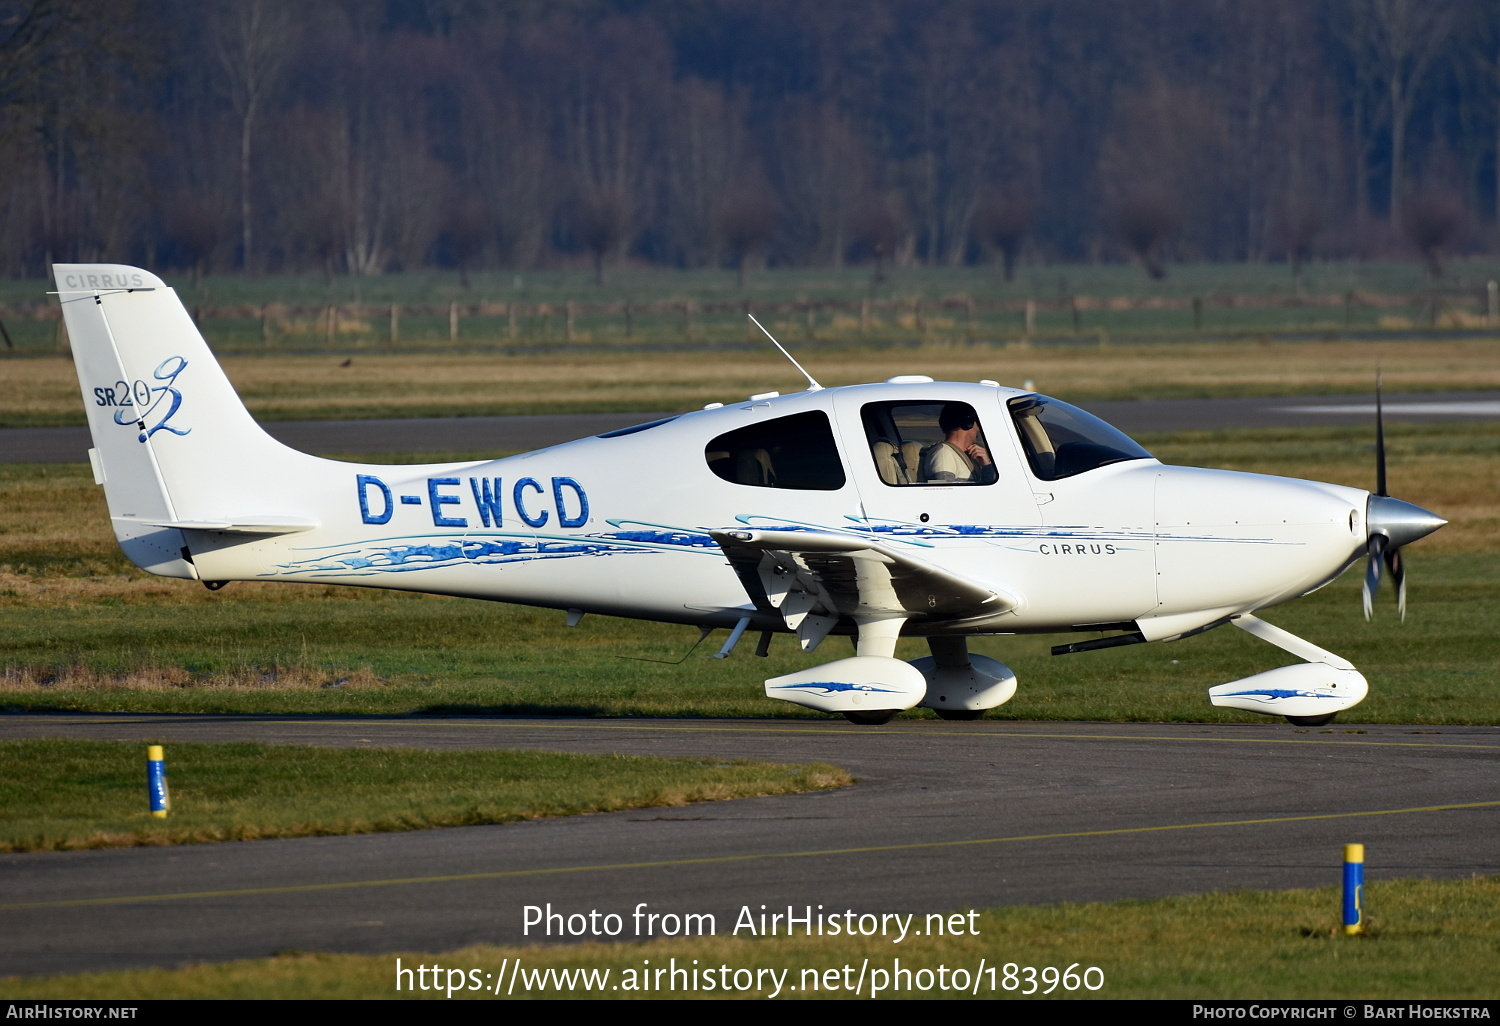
[248, 525]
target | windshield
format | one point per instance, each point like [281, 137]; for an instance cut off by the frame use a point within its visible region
[1063, 441]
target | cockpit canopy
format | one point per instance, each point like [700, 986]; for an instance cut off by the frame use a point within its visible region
[1063, 441]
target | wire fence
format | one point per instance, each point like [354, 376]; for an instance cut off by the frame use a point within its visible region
[38, 327]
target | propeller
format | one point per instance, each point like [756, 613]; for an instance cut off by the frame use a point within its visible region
[1391, 523]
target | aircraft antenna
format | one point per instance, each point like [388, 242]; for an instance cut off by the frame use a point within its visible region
[812, 383]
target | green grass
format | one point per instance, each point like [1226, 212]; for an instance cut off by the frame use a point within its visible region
[1425, 939]
[61, 794]
[1461, 290]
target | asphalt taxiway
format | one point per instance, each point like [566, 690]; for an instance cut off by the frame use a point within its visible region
[945, 816]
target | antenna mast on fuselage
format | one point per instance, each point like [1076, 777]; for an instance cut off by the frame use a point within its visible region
[812, 384]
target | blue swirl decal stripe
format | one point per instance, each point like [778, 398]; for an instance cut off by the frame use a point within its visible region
[833, 687]
[408, 554]
[1274, 693]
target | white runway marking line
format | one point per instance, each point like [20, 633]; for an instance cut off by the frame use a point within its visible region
[840, 731]
[1481, 408]
[825, 852]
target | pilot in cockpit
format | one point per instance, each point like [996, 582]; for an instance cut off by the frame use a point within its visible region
[958, 457]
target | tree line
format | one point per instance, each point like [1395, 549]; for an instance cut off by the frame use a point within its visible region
[364, 136]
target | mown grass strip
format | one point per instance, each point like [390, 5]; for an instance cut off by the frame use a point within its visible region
[1424, 939]
[63, 794]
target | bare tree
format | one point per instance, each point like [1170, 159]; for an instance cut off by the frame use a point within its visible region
[468, 226]
[1396, 41]
[880, 225]
[1297, 226]
[1002, 223]
[599, 222]
[1431, 221]
[747, 219]
[1146, 223]
[198, 224]
[251, 39]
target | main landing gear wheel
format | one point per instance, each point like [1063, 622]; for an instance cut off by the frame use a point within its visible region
[959, 714]
[1310, 721]
[873, 718]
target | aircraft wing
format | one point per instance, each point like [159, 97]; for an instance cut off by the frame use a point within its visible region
[814, 579]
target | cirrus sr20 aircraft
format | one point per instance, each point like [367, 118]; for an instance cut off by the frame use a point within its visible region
[941, 510]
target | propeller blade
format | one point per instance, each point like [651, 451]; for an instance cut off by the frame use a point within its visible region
[1372, 573]
[1398, 576]
[1379, 440]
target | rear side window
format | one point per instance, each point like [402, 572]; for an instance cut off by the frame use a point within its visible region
[789, 452]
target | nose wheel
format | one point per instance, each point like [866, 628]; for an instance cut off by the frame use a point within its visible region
[1310, 721]
[959, 714]
[871, 718]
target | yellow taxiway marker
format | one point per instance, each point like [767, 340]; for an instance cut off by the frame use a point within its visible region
[558, 870]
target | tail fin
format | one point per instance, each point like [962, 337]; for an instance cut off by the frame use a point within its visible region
[173, 445]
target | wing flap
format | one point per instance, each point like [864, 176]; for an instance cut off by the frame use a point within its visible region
[845, 575]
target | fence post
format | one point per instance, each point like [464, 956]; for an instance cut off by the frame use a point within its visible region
[749, 326]
[8, 343]
[1197, 313]
[395, 324]
[1073, 305]
[328, 325]
[1492, 312]
[1030, 317]
[568, 321]
[452, 322]
[265, 324]
[812, 318]
[921, 322]
[510, 320]
[629, 319]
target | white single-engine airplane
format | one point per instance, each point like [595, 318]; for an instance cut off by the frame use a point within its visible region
[935, 509]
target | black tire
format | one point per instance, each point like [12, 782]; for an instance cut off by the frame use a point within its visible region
[959, 714]
[1310, 721]
[873, 718]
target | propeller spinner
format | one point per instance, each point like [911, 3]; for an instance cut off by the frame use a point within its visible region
[1390, 523]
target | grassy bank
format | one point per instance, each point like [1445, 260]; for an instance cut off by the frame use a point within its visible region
[61, 794]
[1426, 939]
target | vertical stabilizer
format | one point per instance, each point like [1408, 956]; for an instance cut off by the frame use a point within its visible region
[173, 442]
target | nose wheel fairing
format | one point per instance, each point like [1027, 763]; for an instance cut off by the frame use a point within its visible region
[1320, 687]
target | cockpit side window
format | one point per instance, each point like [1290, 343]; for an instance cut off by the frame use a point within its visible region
[1064, 441]
[790, 452]
[927, 443]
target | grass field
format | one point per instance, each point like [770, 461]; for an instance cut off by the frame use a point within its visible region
[44, 391]
[1115, 300]
[84, 631]
[1426, 939]
[62, 794]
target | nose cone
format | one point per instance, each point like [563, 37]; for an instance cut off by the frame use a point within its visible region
[1399, 521]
